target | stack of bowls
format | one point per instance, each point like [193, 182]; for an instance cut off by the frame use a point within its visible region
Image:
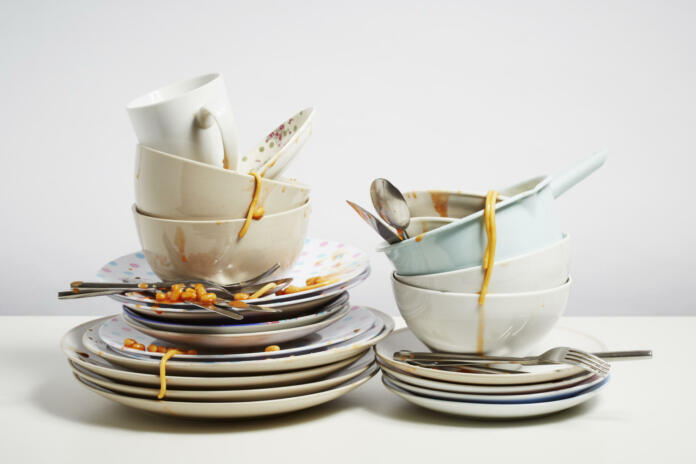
[439, 273]
[437, 285]
[188, 215]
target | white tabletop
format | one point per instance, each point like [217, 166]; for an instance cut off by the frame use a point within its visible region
[645, 414]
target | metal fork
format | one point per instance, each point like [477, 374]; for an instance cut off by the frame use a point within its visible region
[558, 355]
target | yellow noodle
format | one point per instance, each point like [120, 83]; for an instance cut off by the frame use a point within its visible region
[252, 206]
[262, 290]
[163, 372]
[489, 256]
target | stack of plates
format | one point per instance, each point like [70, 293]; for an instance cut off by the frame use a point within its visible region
[318, 258]
[322, 344]
[539, 390]
[246, 383]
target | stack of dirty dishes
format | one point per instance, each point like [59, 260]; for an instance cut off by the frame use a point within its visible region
[229, 310]
[439, 273]
[439, 279]
[289, 351]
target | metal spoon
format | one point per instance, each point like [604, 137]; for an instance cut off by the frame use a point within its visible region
[390, 204]
[385, 232]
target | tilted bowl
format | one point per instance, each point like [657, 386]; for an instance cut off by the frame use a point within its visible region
[512, 322]
[172, 187]
[180, 249]
[525, 220]
[541, 269]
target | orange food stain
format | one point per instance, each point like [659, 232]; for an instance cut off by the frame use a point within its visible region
[419, 237]
[440, 200]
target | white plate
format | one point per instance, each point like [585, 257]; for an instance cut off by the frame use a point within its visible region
[497, 398]
[234, 409]
[404, 339]
[384, 324]
[78, 354]
[247, 394]
[224, 327]
[493, 411]
[253, 341]
[343, 326]
[485, 389]
[317, 258]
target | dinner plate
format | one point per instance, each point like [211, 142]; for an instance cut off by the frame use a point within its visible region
[499, 398]
[485, 389]
[233, 409]
[383, 326]
[246, 394]
[290, 308]
[78, 354]
[494, 411]
[235, 340]
[404, 339]
[226, 327]
[343, 326]
[317, 258]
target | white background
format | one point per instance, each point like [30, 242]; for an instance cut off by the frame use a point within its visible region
[464, 95]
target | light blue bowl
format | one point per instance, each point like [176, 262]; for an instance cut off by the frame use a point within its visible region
[525, 221]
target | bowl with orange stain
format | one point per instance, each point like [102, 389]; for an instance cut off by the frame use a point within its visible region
[213, 250]
[173, 187]
[455, 322]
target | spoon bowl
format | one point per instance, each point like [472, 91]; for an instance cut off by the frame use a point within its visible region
[390, 205]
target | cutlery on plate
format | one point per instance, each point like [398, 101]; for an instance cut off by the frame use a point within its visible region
[406, 355]
[149, 287]
[390, 204]
[135, 284]
[227, 308]
[558, 355]
[378, 226]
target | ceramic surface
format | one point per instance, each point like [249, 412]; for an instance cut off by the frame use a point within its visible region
[421, 225]
[541, 269]
[212, 250]
[172, 187]
[498, 398]
[273, 154]
[225, 327]
[320, 357]
[245, 394]
[525, 221]
[233, 409]
[342, 326]
[448, 321]
[404, 339]
[191, 119]
[444, 203]
[494, 411]
[349, 264]
[78, 354]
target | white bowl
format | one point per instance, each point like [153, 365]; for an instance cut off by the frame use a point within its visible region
[178, 249]
[538, 270]
[172, 187]
[512, 322]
